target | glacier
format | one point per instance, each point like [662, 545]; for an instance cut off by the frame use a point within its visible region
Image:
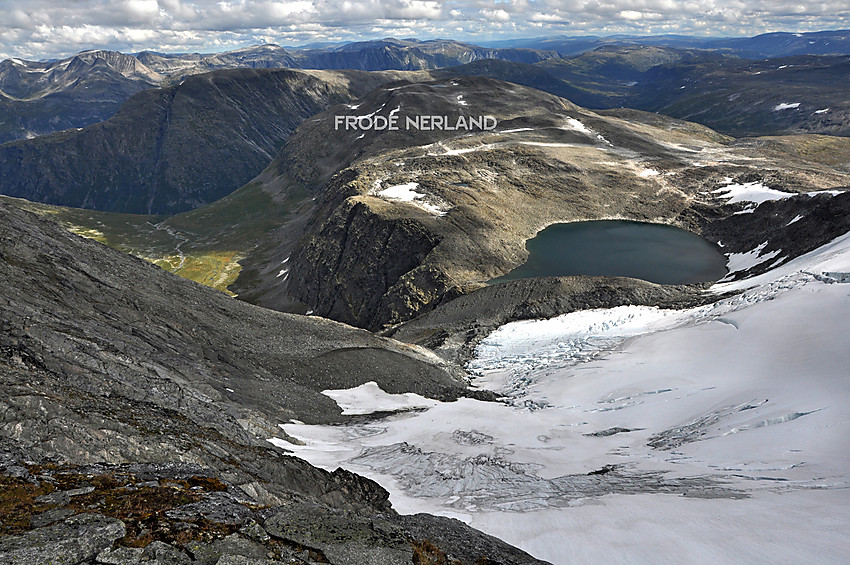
[635, 434]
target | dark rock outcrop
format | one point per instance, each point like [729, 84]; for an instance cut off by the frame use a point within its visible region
[357, 249]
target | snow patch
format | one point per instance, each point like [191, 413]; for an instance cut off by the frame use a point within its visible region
[744, 261]
[284, 270]
[786, 106]
[829, 192]
[578, 126]
[406, 193]
[403, 192]
[648, 173]
[754, 192]
[369, 398]
[824, 111]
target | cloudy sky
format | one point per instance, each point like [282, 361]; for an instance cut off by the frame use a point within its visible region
[37, 29]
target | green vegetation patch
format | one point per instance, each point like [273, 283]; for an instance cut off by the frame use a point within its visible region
[204, 245]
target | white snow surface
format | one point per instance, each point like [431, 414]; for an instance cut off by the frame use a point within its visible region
[406, 193]
[575, 124]
[403, 192]
[754, 192]
[731, 441]
[368, 398]
[738, 262]
[786, 105]
[515, 130]
[823, 111]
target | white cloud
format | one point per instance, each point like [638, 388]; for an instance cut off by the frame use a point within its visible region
[45, 28]
[630, 15]
[498, 15]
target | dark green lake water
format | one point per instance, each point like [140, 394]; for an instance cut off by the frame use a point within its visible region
[652, 252]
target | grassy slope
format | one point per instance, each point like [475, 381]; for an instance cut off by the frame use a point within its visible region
[203, 245]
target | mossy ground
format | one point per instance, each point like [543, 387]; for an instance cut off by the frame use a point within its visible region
[141, 505]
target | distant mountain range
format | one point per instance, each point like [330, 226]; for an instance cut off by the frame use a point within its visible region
[764, 46]
[44, 97]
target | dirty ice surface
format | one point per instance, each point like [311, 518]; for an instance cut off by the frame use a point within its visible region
[718, 434]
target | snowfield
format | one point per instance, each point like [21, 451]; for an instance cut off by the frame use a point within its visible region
[718, 434]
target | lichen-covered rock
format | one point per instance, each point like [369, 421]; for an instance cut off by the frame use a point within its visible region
[342, 538]
[120, 556]
[75, 540]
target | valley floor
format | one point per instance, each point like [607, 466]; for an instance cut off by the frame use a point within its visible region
[637, 435]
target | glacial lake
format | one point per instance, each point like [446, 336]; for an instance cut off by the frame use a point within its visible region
[652, 252]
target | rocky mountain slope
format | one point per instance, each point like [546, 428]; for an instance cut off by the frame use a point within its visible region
[136, 406]
[731, 95]
[406, 220]
[40, 98]
[176, 148]
[375, 228]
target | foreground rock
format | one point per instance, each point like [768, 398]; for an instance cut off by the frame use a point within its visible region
[180, 514]
[135, 408]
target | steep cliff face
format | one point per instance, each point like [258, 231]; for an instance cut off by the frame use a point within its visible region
[358, 262]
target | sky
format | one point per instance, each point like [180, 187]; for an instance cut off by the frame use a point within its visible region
[40, 29]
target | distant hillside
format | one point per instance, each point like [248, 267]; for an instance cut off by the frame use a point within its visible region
[40, 98]
[177, 148]
[767, 45]
[803, 94]
[735, 96]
